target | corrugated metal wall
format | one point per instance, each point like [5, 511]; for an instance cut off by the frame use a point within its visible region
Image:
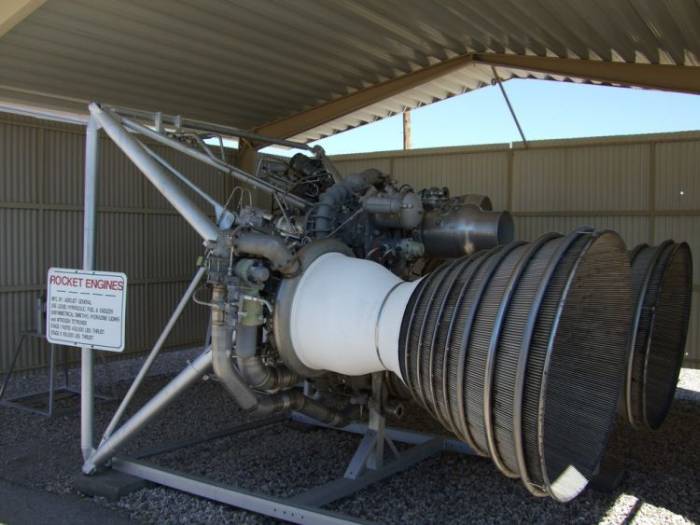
[646, 187]
[41, 195]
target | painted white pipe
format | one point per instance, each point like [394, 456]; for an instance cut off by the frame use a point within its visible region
[155, 173]
[346, 316]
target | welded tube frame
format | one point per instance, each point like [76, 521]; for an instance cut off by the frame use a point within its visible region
[155, 173]
[192, 373]
[305, 507]
[220, 210]
[224, 167]
[153, 354]
[185, 123]
[240, 498]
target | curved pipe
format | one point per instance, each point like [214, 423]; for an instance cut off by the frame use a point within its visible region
[255, 372]
[222, 354]
[269, 247]
[326, 211]
[222, 363]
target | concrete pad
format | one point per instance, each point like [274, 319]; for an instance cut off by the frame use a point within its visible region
[108, 484]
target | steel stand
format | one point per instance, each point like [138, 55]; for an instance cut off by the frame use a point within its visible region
[367, 466]
[22, 402]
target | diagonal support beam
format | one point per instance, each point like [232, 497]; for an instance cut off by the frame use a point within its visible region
[685, 79]
[192, 373]
[318, 115]
[12, 12]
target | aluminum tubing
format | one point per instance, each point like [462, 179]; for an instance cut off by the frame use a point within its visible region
[219, 165]
[269, 247]
[185, 379]
[87, 361]
[346, 316]
[155, 173]
[254, 371]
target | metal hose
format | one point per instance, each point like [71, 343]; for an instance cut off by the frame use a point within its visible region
[323, 217]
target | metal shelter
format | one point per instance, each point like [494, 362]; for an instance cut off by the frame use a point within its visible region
[309, 69]
[282, 72]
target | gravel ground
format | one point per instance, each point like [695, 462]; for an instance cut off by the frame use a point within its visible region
[660, 484]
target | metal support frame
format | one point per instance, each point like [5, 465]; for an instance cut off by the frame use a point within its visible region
[87, 380]
[218, 164]
[366, 467]
[22, 401]
[368, 464]
[684, 79]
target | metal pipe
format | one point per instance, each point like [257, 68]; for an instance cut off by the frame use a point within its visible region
[252, 367]
[222, 362]
[185, 379]
[87, 356]
[155, 173]
[463, 230]
[222, 352]
[510, 107]
[223, 216]
[200, 125]
[270, 247]
[324, 214]
[219, 165]
[154, 353]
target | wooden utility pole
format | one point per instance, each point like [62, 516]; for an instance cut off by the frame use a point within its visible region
[406, 129]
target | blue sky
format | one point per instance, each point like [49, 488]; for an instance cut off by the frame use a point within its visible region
[546, 110]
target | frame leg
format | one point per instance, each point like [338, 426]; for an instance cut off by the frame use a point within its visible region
[190, 375]
[87, 383]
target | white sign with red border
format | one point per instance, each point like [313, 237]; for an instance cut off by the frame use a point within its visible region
[86, 309]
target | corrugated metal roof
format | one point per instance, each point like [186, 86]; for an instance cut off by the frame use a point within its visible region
[245, 63]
